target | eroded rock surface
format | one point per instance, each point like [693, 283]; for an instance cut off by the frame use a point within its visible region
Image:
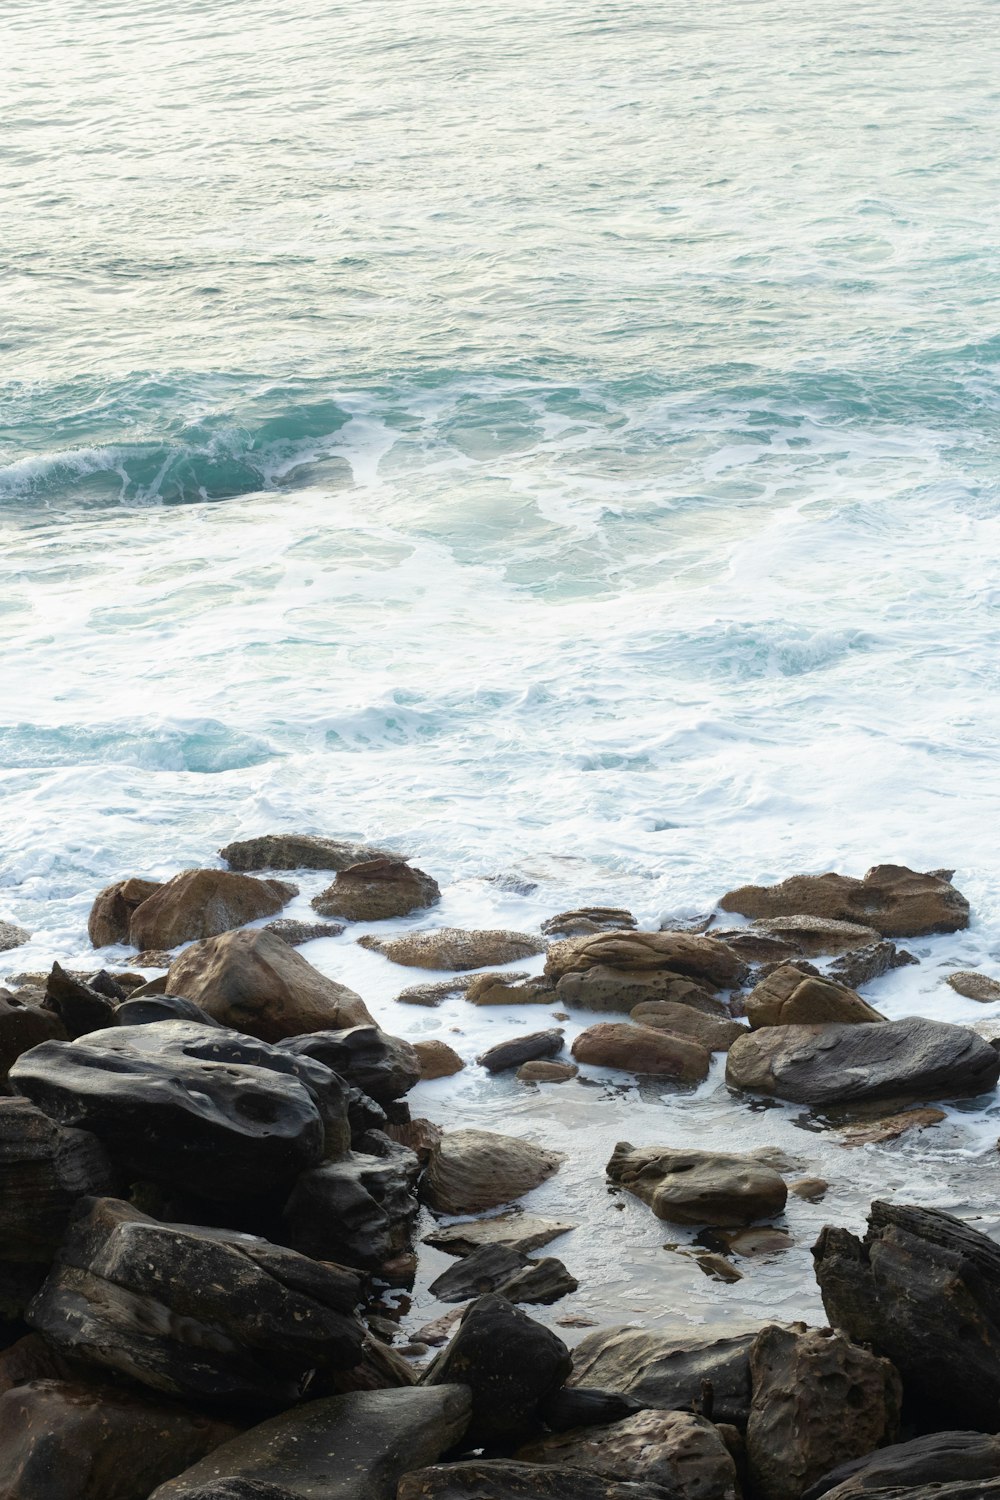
[111, 914]
[643, 1050]
[376, 890]
[930, 1460]
[698, 1187]
[473, 1170]
[201, 904]
[668, 1372]
[454, 948]
[675, 1449]
[689, 954]
[589, 919]
[787, 997]
[505, 1479]
[894, 900]
[296, 851]
[358, 1211]
[617, 991]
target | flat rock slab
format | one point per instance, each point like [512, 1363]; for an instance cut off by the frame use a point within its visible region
[891, 1127]
[509, 989]
[521, 1049]
[297, 851]
[689, 954]
[295, 933]
[352, 1447]
[668, 1372]
[820, 1065]
[454, 948]
[698, 1187]
[505, 1479]
[894, 900]
[931, 1460]
[547, 1072]
[497, 1268]
[473, 1170]
[815, 937]
[523, 1232]
[376, 890]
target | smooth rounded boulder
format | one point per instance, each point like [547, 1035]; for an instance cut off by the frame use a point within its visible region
[643, 1050]
[113, 909]
[698, 1187]
[376, 890]
[473, 1170]
[384, 1067]
[787, 997]
[933, 1459]
[201, 904]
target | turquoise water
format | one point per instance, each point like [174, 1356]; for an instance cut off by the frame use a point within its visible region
[559, 441]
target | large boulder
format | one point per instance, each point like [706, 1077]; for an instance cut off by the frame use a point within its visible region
[895, 901]
[384, 1067]
[510, 1363]
[689, 954]
[351, 1447]
[254, 982]
[676, 1449]
[644, 1050]
[933, 1459]
[114, 907]
[840, 1064]
[377, 889]
[193, 1312]
[297, 851]
[473, 1170]
[67, 1441]
[923, 1289]
[668, 1372]
[817, 1398]
[506, 1479]
[699, 1187]
[359, 1212]
[203, 903]
[787, 997]
[621, 990]
[210, 1111]
[454, 948]
[23, 1026]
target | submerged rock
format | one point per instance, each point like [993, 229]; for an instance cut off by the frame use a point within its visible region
[891, 1127]
[676, 1449]
[473, 1170]
[454, 948]
[547, 1072]
[297, 851]
[698, 1187]
[201, 904]
[787, 997]
[689, 954]
[111, 914]
[253, 982]
[376, 890]
[909, 1059]
[644, 1050]
[351, 1447]
[894, 900]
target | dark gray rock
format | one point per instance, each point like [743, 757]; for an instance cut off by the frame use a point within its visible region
[382, 1066]
[212, 1111]
[520, 1231]
[521, 1049]
[540, 1281]
[933, 1459]
[497, 1268]
[862, 965]
[195, 1312]
[296, 933]
[359, 1211]
[148, 1009]
[352, 1447]
[586, 1406]
[79, 1006]
[668, 1373]
[23, 1025]
[494, 1479]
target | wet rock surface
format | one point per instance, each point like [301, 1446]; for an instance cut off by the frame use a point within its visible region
[687, 954]
[547, 1072]
[975, 986]
[376, 890]
[521, 1049]
[201, 904]
[296, 851]
[498, 1268]
[359, 1211]
[787, 997]
[588, 919]
[454, 948]
[519, 1231]
[643, 1049]
[698, 1187]
[714, 1033]
[678, 1450]
[623, 991]
[473, 1170]
[383, 1066]
[930, 1460]
[892, 899]
[295, 933]
[667, 1372]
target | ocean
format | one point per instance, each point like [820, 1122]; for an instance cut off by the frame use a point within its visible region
[558, 441]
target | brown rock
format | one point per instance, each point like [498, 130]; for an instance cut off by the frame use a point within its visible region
[296, 933]
[509, 989]
[112, 912]
[12, 936]
[974, 986]
[297, 851]
[254, 982]
[689, 954]
[62, 1441]
[202, 903]
[376, 890]
[453, 948]
[588, 919]
[759, 1241]
[620, 991]
[521, 1049]
[716, 1033]
[641, 1049]
[419, 1135]
[717, 1267]
[788, 998]
[473, 1170]
[152, 958]
[813, 937]
[519, 1231]
[812, 1189]
[23, 1026]
[698, 1187]
[891, 1127]
[817, 1400]
[895, 901]
[676, 1449]
[437, 1059]
[546, 1072]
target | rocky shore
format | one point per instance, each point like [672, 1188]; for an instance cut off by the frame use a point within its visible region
[218, 1196]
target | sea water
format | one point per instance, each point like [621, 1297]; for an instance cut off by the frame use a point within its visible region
[558, 441]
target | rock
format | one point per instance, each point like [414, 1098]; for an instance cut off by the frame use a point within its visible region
[975, 986]
[923, 1289]
[359, 1212]
[80, 1007]
[698, 1187]
[154, 958]
[891, 1127]
[510, 1363]
[493, 1479]
[253, 982]
[439, 1331]
[582, 1406]
[817, 1399]
[453, 948]
[814, 937]
[295, 933]
[509, 989]
[521, 1049]
[909, 1059]
[933, 1459]
[209, 1111]
[760, 1241]
[811, 1189]
[589, 919]
[676, 1449]
[111, 914]
[61, 1441]
[197, 1313]
[620, 991]
[351, 1447]
[714, 1033]
[895, 901]
[12, 936]
[201, 904]
[863, 965]
[497, 1268]
[716, 1266]
[547, 1072]
[44, 1169]
[473, 1170]
[376, 890]
[447, 989]
[689, 954]
[517, 1230]
[383, 1066]
[437, 1059]
[540, 1281]
[23, 1026]
[675, 992]
[641, 1049]
[666, 1372]
[297, 851]
[757, 948]
[148, 1010]
[788, 998]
